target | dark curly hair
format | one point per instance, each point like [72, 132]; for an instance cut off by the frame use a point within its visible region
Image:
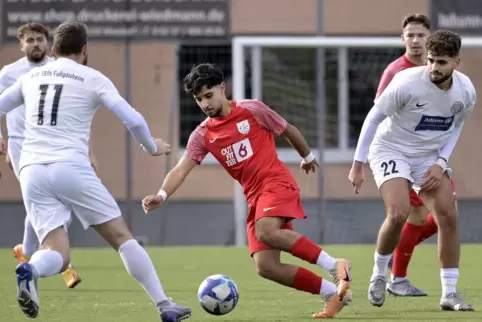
[202, 75]
[444, 43]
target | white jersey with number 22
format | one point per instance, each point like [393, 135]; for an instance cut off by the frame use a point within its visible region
[420, 116]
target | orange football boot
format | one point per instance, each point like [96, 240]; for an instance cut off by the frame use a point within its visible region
[18, 253]
[333, 306]
[71, 277]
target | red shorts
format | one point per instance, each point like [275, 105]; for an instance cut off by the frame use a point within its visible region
[416, 201]
[275, 201]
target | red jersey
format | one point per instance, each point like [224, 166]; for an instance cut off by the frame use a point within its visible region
[243, 142]
[396, 66]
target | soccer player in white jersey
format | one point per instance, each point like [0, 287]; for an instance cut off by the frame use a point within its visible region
[33, 43]
[408, 137]
[56, 176]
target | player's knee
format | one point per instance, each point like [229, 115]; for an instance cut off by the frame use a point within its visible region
[418, 216]
[267, 269]
[114, 232]
[267, 230]
[397, 214]
[266, 235]
[447, 218]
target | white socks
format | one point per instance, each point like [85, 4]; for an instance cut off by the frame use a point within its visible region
[449, 278]
[139, 265]
[30, 240]
[381, 265]
[327, 287]
[325, 261]
[47, 262]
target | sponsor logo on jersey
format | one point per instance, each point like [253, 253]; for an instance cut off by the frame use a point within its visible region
[238, 152]
[434, 123]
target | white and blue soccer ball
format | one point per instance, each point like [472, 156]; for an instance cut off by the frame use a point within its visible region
[218, 294]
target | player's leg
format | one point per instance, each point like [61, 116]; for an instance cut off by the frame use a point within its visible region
[30, 240]
[392, 176]
[95, 207]
[48, 217]
[399, 284]
[29, 244]
[442, 204]
[70, 275]
[269, 266]
[430, 228]
[25, 250]
[275, 206]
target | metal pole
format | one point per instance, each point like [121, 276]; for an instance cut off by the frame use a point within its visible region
[320, 116]
[174, 121]
[240, 206]
[257, 72]
[128, 138]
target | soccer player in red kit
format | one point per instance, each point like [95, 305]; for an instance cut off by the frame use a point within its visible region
[420, 224]
[240, 135]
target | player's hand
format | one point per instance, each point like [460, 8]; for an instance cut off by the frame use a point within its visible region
[3, 146]
[357, 176]
[152, 202]
[433, 178]
[8, 161]
[162, 147]
[307, 167]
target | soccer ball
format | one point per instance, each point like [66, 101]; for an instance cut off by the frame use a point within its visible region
[218, 294]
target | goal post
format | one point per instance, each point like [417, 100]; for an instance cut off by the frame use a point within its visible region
[275, 77]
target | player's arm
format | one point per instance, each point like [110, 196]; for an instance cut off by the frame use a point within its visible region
[136, 124]
[4, 84]
[298, 142]
[275, 123]
[449, 147]
[389, 102]
[194, 155]
[11, 98]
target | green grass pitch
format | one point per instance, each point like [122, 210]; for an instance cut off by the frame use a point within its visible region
[107, 293]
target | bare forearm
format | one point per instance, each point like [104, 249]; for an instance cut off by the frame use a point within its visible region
[172, 182]
[297, 141]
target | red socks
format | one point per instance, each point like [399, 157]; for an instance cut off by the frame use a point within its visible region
[307, 281]
[306, 250]
[412, 235]
[429, 229]
[403, 253]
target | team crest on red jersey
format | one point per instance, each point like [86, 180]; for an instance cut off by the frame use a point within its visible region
[243, 127]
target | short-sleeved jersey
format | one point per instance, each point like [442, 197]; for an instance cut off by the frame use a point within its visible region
[395, 67]
[60, 100]
[243, 143]
[420, 115]
[8, 76]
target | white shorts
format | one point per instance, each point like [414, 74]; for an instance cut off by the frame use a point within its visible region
[390, 164]
[14, 152]
[51, 192]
